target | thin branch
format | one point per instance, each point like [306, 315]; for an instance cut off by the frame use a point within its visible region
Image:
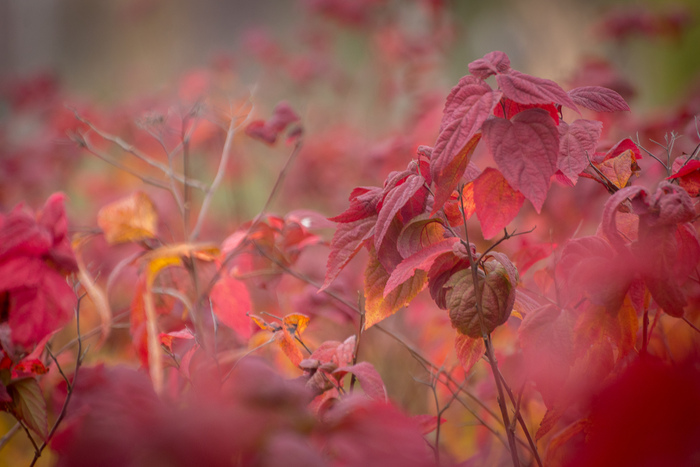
[71, 388]
[10, 433]
[221, 171]
[487, 339]
[126, 147]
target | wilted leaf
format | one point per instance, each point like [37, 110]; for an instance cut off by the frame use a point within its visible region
[231, 303]
[129, 219]
[29, 405]
[619, 169]
[496, 202]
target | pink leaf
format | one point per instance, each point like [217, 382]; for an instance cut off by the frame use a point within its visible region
[427, 423]
[527, 89]
[526, 151]
[469, 350]
[598, 98]
[577, 143]
[268, 131]
[496, 202]
[368, 377]
[453, 173]
[422, 260]
[347, 241]
[393, 202]
[231, 303]
[492, 63]
[461, 98]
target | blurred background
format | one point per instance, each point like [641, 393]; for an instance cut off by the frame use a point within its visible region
[368, 79]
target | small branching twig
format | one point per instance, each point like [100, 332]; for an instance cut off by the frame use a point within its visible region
[70, 387]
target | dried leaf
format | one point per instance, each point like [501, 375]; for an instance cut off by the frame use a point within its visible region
[129, 219]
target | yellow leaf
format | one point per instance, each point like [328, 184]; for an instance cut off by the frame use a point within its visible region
[295, 322]
[129, 219]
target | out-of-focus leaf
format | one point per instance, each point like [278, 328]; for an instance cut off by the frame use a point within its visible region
[29, 405]
[129, 219]
[369, 379]
[231, 303]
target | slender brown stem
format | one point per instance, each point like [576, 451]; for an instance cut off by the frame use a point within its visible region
[487, 339]
[70, 389]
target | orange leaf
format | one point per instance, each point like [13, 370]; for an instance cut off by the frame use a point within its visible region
[129, 219]
[290, 349]
[619, 169]
[469, 350]
[378, 307]
[295, 323]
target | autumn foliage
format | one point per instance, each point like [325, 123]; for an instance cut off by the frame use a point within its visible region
[507, 278]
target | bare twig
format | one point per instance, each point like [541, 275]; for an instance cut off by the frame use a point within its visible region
[70, 388]
[221, 171]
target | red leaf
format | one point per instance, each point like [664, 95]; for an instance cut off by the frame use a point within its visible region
[577, 143]
[419, 233]
[450, 175]
[496, 202]
[268, 131]
[508, 109]
[492, 63]
[368, 377]
[393, 202]
[43, 305]
[688, 175]
[527, 89]
[460, 99]
[422, 260]
[231, 303]
[363, 203]
[346, 242]
[336, 352]
[598, 98]
[379, 306]
[469, 350]
[427, 423]
[526, 151]
[546, 337]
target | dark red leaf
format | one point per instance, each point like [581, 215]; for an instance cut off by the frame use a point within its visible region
[450, 175]
[508, 109]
